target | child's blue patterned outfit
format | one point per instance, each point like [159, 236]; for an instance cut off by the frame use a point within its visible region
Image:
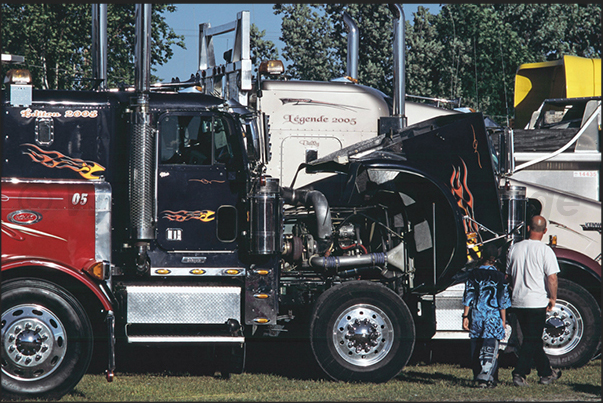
[487, 293]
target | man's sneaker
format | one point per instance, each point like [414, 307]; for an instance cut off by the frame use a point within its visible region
[519, 380]
[547, 380]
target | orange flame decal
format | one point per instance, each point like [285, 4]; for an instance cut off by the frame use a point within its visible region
[183, 215]
[54, 159]
[206, 181]
[463, 196]
[475, 145]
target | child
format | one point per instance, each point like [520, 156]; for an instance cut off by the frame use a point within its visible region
[486, 299]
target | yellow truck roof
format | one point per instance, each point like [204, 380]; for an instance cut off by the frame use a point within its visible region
[569, 77]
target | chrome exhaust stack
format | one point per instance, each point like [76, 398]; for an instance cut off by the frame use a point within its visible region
[398, 120]
[399, 63]
[99, 44]
[142, 144]
[353, 46]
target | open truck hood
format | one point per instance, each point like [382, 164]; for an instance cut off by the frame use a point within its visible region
[454, 149]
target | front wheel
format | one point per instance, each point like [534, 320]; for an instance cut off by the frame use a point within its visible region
[573, 328]
[361, 331]
[46, 340]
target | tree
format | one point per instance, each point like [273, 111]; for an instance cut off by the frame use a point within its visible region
[467, 51]
[422, 49]
[479, 57]
[485, 44]
[375, 59]
[261, 49]
[549, 31]
[315, 39]
[306, 32]
[55, 40]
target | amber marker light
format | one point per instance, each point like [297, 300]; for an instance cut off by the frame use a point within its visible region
[553, 240]
[197, 271]
[233, 272]
[18, 76]
[260, 296]
[262, 272]
[272, 67]
[162, 271]
[98, 270]
[261, 320]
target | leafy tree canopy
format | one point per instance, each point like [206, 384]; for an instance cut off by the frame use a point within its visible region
[261, 49]
[55, 40]
[467, 51]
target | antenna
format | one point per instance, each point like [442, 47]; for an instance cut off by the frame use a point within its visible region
[504, 81]
[453, 79]
[475, 64]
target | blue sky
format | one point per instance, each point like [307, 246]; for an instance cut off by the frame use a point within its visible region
[185, 21]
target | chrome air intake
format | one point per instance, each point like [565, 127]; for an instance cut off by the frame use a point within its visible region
[514, 203]
[265, 218]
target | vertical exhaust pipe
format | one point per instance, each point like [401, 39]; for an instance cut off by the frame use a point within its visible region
[353, 46]
[99, 44]
[399, 63]
[142, 153]
[143, 49]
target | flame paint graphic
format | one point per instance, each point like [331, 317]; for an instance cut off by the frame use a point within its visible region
[15, 231]
[308, 101]
[463, 196]
[475, 145]
[206, 181]
[54, 159]
[183, 215]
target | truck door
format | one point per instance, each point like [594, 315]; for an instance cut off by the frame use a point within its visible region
[196, 199]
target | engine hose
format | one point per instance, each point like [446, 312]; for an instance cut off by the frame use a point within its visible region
[355, 271]
[317, 200]
[336, 262]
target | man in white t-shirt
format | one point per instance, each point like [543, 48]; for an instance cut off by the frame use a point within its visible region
[532, 267]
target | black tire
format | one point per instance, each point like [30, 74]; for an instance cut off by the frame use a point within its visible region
[47, 340]
[373, 309]
[577, 337]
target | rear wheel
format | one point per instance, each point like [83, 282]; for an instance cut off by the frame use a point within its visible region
[46, 340]
[573, 328]
[361, 331]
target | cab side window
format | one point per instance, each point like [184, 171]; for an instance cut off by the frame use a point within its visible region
[193, 140]
[222, 148]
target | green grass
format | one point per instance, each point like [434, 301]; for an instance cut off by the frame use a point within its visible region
[287, 372]
[420, 382]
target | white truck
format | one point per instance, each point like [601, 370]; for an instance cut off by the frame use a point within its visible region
[308, 120]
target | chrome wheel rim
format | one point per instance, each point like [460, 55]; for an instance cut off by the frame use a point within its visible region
[34, 342]
[363, 335]
[565, 330]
